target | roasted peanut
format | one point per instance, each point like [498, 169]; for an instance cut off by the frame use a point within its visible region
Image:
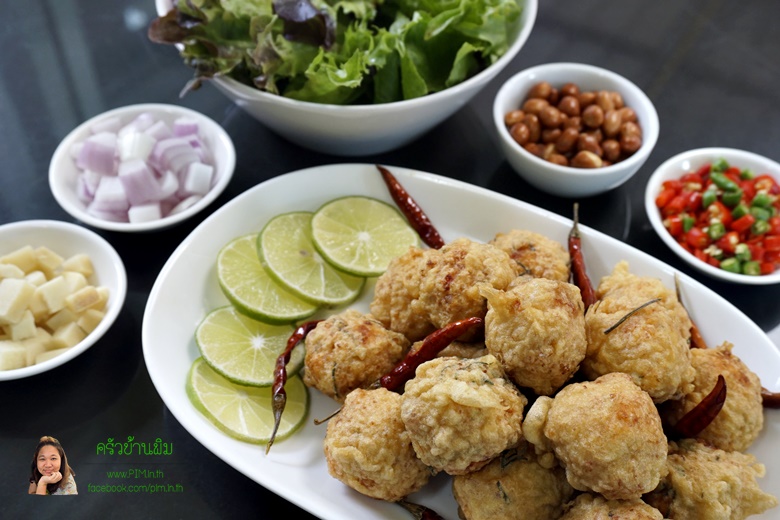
[550, 117]
[611, 149]
[587, 98]
[557, 158]
[515, 116]
[593, 116]
[604, 100]
[534, 127]
[535, 105]
[627, 114]
[586, 159]
[612, 122]
[570, 89]
[540, 90]
[534, 148]
[520, 133]
[567, 140]
[550, 135]
[569, 105]
[589, 143]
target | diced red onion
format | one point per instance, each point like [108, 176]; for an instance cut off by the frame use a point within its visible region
[196, 179]
[183, 126]
[139, 183]
[97, 154]
[111, 124]
[144, 212]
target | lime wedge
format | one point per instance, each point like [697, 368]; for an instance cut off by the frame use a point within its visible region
[285, 249]
[249, 288]
[244, 412]
[360, 235]
[243, 349]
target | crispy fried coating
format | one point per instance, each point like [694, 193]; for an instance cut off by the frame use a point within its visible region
[651, 345]
[367, 447]
[606, 433]
[462, 413]
[707, 483]
[594, 507]
[536, 254]
[512, 486]
[536, 329]
[350, 350]
[458, 349]
[741, 419]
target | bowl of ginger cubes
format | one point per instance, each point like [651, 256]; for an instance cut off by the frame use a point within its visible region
[61, 288]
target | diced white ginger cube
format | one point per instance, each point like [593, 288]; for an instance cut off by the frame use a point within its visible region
[12, 356]
[104, 293]
[97, 153]
[83, 299]
[110, 195]
[48, 260]
[138, 181]
[54, 293]
[24, 328]
[80, 263]
[24, 258]
[61, 318]
[36, 278]
[67, 336]
[185, 204]
[15, 296]
[40, 342]
[90, 319]
[135, 145]
[38, 307]
[159, 130]
[45, 356]
[11, 271]
[197, 179]
[74, 280]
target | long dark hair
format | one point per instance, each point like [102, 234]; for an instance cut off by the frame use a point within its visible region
[65, 468]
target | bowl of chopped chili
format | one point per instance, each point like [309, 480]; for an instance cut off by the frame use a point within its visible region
[719, 210]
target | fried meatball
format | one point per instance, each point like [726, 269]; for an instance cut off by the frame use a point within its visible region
[651, 345]
[512, 486]
[606, 433]
[350, 350]
[594, 507]
[457, 349]
[536, 254]
[462, 413]
[367, 447]
[536, 329]
[706, 483]
[741, 419]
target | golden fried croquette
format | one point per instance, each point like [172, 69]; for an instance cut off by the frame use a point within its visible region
[651, 345]
[457, 349]
[512, 486]
[536, 329]
[461, 413]
[536, 254]
[707, 483]
[741, 419]
[606, 433]
[594, 507]
[350, 350]
[367, 447]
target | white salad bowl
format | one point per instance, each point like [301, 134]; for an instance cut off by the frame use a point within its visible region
[691, 160]
[66, 184]
[66, 239]
[360, 130]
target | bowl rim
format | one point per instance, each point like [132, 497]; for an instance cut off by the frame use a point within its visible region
[62, 153]
[650, 130]
[116, 298]
[697, 157]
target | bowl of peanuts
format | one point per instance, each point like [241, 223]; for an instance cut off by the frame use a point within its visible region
[574, 130]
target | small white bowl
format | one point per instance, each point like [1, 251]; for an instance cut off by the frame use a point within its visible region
[68, 239]
[360, 130]
[63, 170]
[691, 160]
[566, 181]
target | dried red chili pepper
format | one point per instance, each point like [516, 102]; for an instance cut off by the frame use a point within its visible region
[279, 396]
[579, 274]
[411, 210]
[420, 512]
[433, 343]
[693, 423]
[770, 399]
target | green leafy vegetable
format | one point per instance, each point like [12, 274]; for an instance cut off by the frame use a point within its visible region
[340, 51]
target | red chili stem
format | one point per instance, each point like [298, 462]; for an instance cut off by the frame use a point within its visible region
[420, 512]
[770, 399]
[578, 272]
[411, 210]
[279, 395]
[693, 423]
[434, 343]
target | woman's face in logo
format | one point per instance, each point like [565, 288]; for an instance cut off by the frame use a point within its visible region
[48, 460]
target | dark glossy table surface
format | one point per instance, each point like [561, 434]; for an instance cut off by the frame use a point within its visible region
[710, 67]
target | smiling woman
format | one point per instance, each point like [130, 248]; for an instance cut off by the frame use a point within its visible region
[50, 472]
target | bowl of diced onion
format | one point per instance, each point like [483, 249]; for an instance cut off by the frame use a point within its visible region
[141, 167]
[62, 286]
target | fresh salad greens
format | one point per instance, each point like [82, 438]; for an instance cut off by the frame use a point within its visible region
[340, 51]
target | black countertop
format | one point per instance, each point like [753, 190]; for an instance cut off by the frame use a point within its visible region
[710, 67]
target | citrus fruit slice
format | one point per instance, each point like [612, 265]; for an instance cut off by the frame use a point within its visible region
[251, 290]
[360, 235]
[243, 349]
[285, 249]
[244, 412]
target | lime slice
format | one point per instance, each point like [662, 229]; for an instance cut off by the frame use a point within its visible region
[244, 412]
[249, 288]
[243, 349]
[286, 251]
[360, 235]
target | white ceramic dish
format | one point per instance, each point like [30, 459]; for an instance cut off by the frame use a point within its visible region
[63, 170]
[67, 239]
[365, 129]
[674, 168]
[186, 289]
[566, 181]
